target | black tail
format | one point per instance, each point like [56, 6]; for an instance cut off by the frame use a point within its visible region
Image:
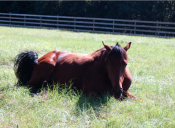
[23, 66]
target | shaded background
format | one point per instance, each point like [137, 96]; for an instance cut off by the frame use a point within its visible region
[145, 10]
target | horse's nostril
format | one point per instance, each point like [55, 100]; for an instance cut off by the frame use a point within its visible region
[118, 94]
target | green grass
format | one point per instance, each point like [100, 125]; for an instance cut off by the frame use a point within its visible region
[151, 62]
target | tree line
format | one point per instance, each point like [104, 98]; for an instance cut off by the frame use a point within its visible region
[138, 10]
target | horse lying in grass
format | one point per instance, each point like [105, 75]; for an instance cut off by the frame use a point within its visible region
[101, 71]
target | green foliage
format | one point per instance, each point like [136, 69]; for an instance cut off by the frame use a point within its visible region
[151, 62]
[138, 10]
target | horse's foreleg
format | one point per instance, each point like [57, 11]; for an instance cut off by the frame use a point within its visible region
[127, 83]
[130, 95]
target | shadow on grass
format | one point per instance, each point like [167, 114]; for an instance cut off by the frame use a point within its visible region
[83, 102]
[86, 101]
[35, 90]
[90, 104]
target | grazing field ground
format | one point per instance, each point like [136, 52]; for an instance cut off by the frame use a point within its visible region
[151, 62]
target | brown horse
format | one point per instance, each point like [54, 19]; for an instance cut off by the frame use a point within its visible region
[102, 71]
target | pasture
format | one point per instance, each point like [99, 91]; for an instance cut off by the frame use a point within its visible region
[151, 62]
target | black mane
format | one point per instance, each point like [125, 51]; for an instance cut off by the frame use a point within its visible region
[119, 52]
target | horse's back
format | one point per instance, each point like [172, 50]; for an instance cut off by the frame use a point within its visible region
[71, 66]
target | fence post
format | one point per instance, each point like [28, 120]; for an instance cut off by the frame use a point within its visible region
[10, 18]
[74, 23]
[113, 26]
[24, 19]
[157, 28]
[40, 21]
[57, 21]
[134, 27]
[93, 24]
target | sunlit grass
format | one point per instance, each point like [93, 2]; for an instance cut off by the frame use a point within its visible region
[151, 62]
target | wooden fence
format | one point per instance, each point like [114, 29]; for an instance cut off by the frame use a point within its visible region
[100, 25]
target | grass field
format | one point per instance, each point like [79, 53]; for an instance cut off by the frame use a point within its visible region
[151, 62]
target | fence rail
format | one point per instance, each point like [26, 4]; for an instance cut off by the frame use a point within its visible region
[114, 26]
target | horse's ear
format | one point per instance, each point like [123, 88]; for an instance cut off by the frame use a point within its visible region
[117, 43]
[108, 48]
[127, 46]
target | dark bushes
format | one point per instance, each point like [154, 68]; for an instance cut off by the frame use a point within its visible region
[139, 10]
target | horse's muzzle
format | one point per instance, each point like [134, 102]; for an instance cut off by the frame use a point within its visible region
[118, 94]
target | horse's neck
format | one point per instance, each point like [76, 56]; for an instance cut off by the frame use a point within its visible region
[99, 55]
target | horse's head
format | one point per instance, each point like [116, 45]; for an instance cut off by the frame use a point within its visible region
[116, 62]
